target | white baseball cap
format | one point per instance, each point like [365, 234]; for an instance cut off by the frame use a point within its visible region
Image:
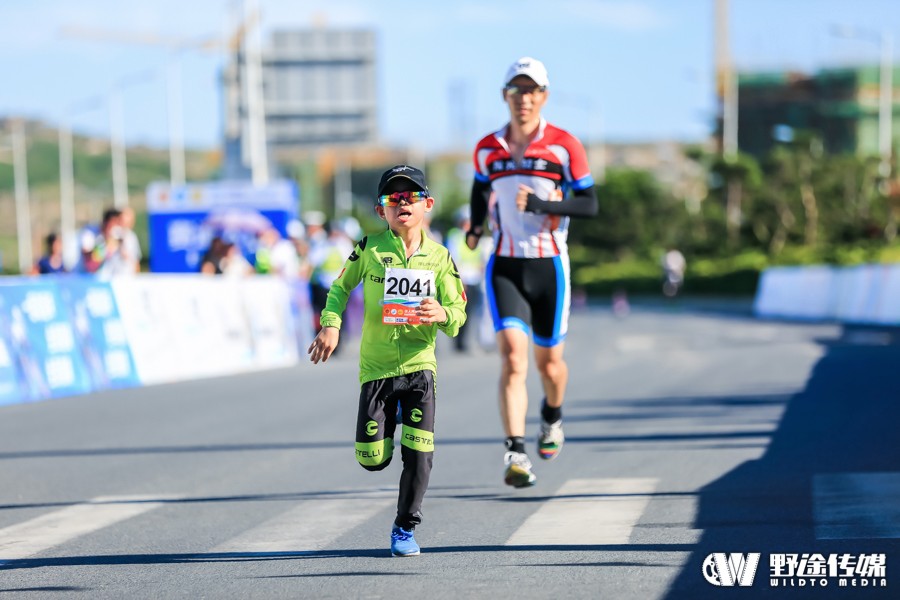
[529, 67]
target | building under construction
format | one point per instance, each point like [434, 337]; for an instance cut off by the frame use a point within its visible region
[318, 90]
[840, 105]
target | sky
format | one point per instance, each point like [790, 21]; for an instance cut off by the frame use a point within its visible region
[620, 70]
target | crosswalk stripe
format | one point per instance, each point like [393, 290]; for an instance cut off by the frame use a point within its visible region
[857, 505]
[309, 526]
[46, 531]
[587, 512]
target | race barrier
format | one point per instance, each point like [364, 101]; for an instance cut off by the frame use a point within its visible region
[67, 335]
[864, 294]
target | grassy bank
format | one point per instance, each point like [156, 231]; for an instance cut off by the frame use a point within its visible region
[735, 275]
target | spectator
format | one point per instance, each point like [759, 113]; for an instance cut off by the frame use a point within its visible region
[108, 257]
[52, 261]
[130, 241]
[327, 259]
[233, 263]
[471, 270]
[276, 255]
[211, 263]
[297, 236]
[673, 265]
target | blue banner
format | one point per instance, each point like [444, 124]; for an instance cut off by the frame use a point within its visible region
[183, 220]
[41, 352]
[99, 332]
[13, 385]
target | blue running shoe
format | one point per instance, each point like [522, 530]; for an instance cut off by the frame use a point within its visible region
[403, 543]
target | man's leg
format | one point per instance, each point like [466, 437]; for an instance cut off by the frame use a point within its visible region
[554, 376]
[554, 373]
[513, 345]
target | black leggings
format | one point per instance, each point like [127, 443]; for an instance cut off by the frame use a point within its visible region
[375, 427]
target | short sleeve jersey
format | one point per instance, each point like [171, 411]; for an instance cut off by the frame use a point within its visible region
[554, 164]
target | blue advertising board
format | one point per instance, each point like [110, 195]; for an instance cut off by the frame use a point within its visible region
[184, 219]
[40, 356]
[13, 386]
[99, 331]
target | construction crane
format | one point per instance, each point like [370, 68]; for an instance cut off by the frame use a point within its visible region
[234, 45]
[726, 82]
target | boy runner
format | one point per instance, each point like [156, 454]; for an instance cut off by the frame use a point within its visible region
[411, 288]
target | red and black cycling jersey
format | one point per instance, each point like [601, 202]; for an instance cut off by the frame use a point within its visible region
[555, 166]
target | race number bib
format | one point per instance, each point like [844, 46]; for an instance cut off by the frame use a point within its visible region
[404, 289]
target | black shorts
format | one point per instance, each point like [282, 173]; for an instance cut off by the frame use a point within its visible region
[377, 417]
[531, 294]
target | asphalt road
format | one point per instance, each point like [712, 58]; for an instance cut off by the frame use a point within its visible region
[689, 433]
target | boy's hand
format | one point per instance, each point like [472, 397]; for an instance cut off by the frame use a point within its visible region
[431, 311]
[324, 344]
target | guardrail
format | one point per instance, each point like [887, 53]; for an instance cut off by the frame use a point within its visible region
[67, 335]
[864, 294]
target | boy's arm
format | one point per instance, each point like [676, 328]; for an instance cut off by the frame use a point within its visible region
[341, 287]
[451, 295]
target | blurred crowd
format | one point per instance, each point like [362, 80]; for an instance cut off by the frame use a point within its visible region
[110, 249]
[314, 250]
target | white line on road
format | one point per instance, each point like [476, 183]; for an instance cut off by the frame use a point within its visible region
[38, 534]
[857, 505]
[309, 526]
[587, 512]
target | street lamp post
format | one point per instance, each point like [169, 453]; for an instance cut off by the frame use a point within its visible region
[67, 181]
[117, 150]
[23, 209]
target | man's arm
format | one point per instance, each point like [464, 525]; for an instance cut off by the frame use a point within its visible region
[478, 203]
[583, 203]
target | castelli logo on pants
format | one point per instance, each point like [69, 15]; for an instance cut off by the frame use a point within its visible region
[415, 415]
[728, 570]
[371, 428]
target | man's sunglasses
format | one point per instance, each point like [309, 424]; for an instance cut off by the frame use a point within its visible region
[397, 197]
[521, 90]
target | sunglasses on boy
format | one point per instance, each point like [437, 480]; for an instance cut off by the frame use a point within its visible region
[522, 90]
[392, 200]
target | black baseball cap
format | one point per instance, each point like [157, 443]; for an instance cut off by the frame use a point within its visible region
[406, 172]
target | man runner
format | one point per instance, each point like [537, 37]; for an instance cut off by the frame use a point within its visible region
[530, 177]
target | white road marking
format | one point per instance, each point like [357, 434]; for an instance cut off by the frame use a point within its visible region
[587, 512]
[857, 505]
[635, 343]
[311, 525]
[36, 535]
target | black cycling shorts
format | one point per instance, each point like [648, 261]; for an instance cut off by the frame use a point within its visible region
[531, 294]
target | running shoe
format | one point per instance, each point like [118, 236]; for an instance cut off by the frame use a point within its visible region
[550, 440]
[518, 470]
[403, 543]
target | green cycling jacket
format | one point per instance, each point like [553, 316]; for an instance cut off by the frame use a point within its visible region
[391, 350]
